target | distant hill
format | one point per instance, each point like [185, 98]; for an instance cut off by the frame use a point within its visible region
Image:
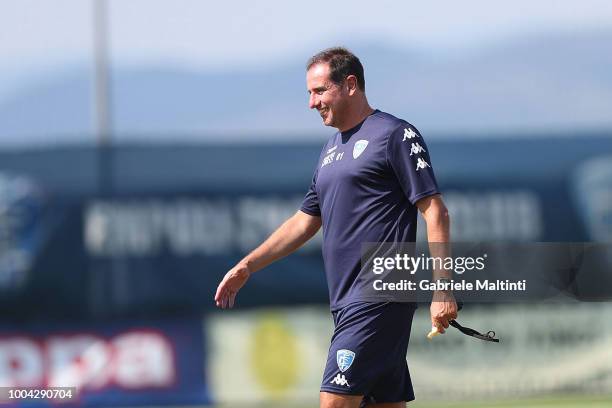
[554, 82]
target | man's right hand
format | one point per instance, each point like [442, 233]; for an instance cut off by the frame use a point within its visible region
[234, 279]
[294, 232]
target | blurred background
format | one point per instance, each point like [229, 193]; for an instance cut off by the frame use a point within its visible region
[146, 146]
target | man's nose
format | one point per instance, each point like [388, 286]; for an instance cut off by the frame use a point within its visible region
[313, 101]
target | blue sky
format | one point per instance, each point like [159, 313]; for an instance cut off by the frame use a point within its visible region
[39, 39]
[37, 36]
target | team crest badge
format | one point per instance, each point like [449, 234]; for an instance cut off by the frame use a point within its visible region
[345, 358]
[360, 146]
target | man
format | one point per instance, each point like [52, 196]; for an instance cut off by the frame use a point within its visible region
[372, 176]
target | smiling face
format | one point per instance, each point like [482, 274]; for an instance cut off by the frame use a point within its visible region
[329, 99]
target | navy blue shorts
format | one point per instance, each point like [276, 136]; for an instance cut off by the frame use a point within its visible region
[367, 355]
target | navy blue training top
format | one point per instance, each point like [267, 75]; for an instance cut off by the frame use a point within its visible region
[364, 189]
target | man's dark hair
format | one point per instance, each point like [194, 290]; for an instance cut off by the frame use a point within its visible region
[342, 63]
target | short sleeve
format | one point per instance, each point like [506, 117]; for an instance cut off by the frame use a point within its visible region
[310, 205]
[408, 156]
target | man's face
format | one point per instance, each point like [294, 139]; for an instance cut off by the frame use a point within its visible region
[328, 98]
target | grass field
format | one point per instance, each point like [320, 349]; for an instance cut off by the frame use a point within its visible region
[570, 401]
[557, 402]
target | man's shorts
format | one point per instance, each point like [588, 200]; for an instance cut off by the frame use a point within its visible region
[367, 355]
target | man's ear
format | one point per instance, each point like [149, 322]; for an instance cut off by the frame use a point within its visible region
[351, 83]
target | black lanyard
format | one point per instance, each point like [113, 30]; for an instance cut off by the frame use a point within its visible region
[490, 336]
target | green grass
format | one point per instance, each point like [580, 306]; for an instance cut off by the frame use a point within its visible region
[570, 401]
[557, 402]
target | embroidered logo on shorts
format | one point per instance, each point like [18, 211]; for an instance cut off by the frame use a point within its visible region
[340, 380]
[344, 358]
[360, 146]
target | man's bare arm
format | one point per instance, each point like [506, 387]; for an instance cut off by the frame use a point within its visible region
[443, 306]
[291, 235]
[438, 229]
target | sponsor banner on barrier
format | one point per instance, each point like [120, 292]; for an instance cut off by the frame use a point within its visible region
[86, 258]
[114, 364]
[543, 349]
[268, 355]
[279, 355]
[22, 232]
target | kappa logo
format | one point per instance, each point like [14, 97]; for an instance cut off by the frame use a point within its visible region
[416, 149]
[344, 358]
[340, 380]
[360, 146]
[409, 134]
[421, 164]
